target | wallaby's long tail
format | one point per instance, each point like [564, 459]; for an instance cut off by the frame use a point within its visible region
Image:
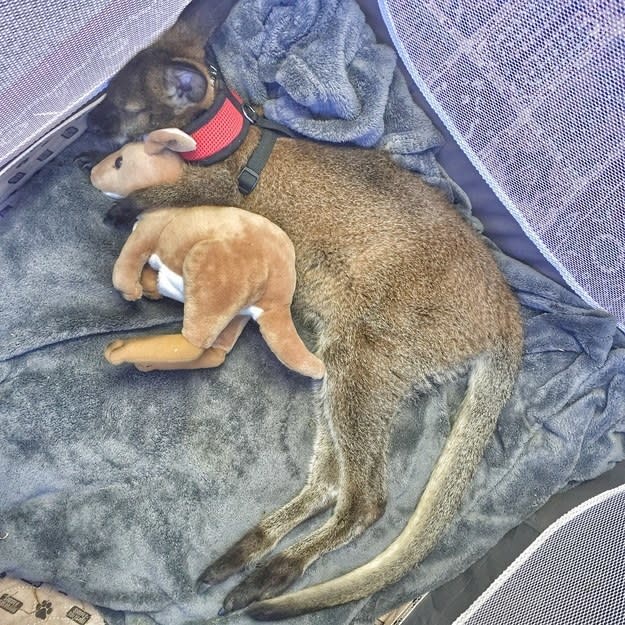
[489, 388]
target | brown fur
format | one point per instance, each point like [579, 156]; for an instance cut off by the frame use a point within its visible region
[402, 292]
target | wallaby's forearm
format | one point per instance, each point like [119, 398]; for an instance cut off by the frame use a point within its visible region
[193, 189]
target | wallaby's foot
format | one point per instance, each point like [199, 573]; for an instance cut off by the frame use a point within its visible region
[240, 555]
[318, 494]
[123, 212]
[86, 161]
[271, 577]
[267, 580]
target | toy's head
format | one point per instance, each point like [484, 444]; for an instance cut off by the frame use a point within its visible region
[143, 164]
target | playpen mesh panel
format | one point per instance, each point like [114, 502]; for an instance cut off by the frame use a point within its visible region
[56, 55]
[573, 574]
[534, 93]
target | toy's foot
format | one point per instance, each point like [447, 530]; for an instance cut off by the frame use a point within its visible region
[163, 351]
[146, 367]
[117, 352]
[211, 358]
[130, 292]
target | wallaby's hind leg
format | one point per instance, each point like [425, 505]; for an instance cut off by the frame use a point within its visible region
[360, 398]
[318, 494]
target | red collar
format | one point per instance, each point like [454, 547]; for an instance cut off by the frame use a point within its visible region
[218, 131]
[222, 128]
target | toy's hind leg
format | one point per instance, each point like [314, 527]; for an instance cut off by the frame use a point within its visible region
[162, 348]
[214, 294]
[318, 494]
[211, 320]
[212, 357]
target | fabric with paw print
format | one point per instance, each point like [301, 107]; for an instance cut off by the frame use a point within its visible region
[29, 603]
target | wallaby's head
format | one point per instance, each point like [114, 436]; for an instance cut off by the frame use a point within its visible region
[143, 164]
[165, 85]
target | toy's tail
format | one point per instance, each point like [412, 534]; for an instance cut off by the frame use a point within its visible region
[490, 386]
[278, 330]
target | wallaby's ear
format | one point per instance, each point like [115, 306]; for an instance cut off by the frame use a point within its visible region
[184, 84]
[168, 139]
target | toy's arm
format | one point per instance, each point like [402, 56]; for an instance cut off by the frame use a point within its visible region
[135, 253]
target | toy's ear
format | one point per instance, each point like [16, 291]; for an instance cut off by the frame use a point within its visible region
[168, 139]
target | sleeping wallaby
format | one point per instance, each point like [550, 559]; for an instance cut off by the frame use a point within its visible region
[402, 292]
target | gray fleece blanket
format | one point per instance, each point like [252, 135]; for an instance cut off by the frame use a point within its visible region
[119, 487]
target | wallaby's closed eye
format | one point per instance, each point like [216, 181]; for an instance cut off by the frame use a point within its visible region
[403, 293]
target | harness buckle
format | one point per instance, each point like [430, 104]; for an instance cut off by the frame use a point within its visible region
[250, 114]
[248, 179]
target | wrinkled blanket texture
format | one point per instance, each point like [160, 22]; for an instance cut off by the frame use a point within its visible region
[119, 487]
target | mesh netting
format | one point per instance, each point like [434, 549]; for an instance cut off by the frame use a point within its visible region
[57, 54]
[573, 574]
[534, 93]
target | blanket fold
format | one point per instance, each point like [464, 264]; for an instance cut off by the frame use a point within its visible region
[316, 67]
[119, 487]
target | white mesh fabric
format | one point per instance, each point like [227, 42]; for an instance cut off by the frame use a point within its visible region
[534, 93]
[56, 54]
[572, 574]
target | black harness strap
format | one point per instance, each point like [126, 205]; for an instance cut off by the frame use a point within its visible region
[249, 175]
[270, 131]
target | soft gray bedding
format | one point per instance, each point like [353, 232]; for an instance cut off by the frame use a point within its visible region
[119, 487]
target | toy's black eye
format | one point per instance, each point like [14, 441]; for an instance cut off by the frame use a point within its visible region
[118, 162]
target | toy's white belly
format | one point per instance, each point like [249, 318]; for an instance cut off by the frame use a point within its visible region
[170, 284]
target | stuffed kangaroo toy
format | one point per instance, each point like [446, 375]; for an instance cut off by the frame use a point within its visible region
[225, 263]
[401, 290]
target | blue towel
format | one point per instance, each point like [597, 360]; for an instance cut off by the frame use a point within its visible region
[315, 66]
